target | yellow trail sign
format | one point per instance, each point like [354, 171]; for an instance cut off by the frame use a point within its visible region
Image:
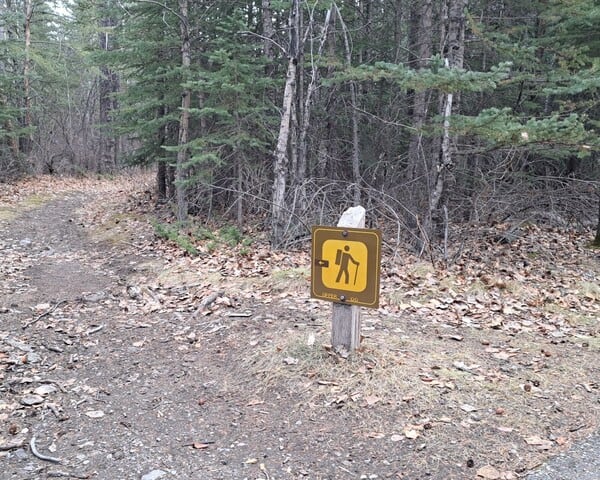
[345, 265]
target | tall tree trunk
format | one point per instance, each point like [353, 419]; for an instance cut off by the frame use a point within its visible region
[184, 119]
[453, 49]
[279, 210]
[268, 32]
[239, 170]
[596, 241]
[308, 102]
[421, 42]
[161, 168]
[399, 31]
[108, 87]
[27, 139]
[356, 174]
[13, 140]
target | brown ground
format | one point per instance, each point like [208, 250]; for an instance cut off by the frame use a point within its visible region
[123, 358]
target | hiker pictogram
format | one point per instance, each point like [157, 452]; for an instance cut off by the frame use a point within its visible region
[343, 265]
[343, 259]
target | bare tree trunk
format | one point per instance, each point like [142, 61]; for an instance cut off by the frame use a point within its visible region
[27, 139]
[596, 241]
[308, 102]
[399, 31]
[268, 32]
[161, 179]
[356, 176]
[453, 48]
[184, 119]
[279, 211]
[421, 26]
[240, 189]
[108, 86]
[161, 168]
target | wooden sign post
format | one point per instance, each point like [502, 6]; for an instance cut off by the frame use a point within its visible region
[345, 264]
[345, 319]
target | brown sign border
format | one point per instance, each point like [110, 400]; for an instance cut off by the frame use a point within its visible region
[369, 297]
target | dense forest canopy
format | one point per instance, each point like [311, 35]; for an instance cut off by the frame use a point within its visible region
[428, 113]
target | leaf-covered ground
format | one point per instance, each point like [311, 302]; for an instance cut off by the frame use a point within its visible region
[122, 356]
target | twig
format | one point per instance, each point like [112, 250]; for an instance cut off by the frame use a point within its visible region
[207, 442]
[37, 454]
[263, 469]
[47, 312]
[94, 330]
[60, 473]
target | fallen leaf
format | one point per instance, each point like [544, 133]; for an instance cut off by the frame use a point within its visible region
[40, 307]
[505, 429]
[537, 441]
[561, 441]
[372, 400]
[488, 472]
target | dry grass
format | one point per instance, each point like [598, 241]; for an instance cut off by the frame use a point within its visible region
[480, 397]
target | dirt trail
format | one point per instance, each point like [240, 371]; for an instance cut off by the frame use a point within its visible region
[119, 392]
[118, 399]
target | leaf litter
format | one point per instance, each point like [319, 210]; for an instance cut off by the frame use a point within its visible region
[490, 359]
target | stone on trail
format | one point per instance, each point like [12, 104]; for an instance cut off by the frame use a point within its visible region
[154, 475]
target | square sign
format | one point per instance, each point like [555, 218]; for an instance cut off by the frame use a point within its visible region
[345, 265]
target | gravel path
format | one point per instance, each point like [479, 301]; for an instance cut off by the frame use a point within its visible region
[582, 462]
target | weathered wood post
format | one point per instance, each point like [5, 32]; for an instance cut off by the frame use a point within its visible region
[345, 320]
[345, 266]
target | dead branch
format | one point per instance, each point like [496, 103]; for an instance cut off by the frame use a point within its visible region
[41, 456]
[46, 313]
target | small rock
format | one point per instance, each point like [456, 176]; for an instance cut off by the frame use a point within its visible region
[134, 292]
[30, 400]
[20, 454]
[154, 475]
[33, 357]
[94, 297]
[94, 413]
[44, 390]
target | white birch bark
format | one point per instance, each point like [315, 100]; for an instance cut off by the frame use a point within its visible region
[279, 211]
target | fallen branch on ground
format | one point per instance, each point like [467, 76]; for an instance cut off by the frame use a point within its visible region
[47, 312]
[41, 456]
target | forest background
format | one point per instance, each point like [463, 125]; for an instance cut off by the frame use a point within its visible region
[431, 114]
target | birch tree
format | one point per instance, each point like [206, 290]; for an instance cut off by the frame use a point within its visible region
[279, 209]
